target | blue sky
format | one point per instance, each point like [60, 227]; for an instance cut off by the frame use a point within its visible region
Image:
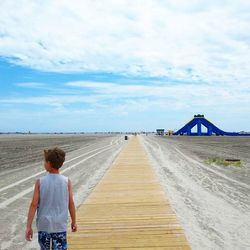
[123, 65]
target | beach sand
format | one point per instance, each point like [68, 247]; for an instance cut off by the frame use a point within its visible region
[87, 159]
[212, 202]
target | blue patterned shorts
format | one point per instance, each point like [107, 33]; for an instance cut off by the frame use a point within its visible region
[59, 240]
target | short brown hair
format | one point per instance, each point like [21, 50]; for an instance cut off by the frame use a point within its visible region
[55, 156]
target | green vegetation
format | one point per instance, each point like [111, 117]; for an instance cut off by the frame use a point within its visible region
[225, 162]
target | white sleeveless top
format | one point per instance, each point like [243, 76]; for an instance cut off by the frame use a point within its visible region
[52, 212]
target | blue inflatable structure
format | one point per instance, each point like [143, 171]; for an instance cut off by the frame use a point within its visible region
[199, 121]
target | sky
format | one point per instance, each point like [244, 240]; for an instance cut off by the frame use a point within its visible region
[123, 65]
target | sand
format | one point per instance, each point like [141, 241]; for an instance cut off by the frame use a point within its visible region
[212, 202]
[87, 159]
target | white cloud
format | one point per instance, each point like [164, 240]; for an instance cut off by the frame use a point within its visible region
[115, 105]
[52, 100]
[127, 98]
[203, 45]
[156, 38]
[31, 85]
[184, 93]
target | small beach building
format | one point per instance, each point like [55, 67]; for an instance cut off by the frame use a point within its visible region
[160, 131]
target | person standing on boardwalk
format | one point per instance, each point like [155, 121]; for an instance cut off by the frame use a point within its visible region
[52, 199]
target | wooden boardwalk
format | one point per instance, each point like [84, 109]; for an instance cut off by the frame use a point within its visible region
[128, 209]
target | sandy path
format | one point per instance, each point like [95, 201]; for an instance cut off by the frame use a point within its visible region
[85, 166]
[212, 204]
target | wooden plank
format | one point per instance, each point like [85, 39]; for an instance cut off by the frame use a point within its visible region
[128, 209]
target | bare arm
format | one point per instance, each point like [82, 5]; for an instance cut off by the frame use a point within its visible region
[72, 209]
[32, 211]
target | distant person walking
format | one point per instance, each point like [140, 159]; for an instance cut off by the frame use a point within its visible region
[52, 199]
